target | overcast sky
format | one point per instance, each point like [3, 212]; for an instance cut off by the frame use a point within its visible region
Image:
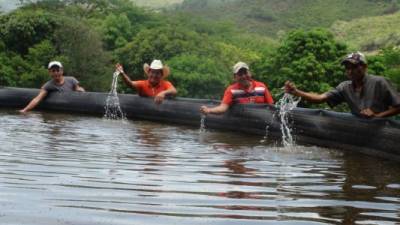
[7, 5]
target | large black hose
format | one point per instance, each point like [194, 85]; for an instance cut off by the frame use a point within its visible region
[379, 137]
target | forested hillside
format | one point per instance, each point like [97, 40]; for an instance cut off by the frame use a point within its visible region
[271, 16]
[369, 33]
[90, 36]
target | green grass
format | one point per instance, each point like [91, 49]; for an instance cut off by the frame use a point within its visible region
[269, 17]
[369, 34]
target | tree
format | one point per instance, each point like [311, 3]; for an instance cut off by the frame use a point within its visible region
[23, 29]
[199, 76]
[85, 58]
[8, 77]
[160, 43]
[387, 64]
[37, 59]
[117, 31]
[309, 58]
[392, 8]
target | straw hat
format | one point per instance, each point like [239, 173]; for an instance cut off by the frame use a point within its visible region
[156, 65]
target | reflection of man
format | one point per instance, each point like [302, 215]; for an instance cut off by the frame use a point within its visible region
[367, 95]
[237, 167]
[244, 90]
[57, 83]
[365, 179]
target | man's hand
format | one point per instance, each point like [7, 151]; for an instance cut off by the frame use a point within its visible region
[290, 88]
[204, 109]
[79, 88]
[119, 68]
[368, 113]
[158, 99]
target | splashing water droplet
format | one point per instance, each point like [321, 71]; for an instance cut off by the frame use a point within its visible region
[264, 139]
[112, 108]
[285, 105]
[202, 124]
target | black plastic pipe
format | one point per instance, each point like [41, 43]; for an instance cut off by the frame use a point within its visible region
[378, 137]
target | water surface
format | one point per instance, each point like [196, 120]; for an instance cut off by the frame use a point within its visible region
[74, 169]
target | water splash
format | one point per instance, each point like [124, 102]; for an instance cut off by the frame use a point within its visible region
[264, 139]
[202, 124]
[112, 108]
[285, 105]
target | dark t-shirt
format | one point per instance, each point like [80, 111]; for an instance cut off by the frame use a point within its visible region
[68, 85]
[377, 94]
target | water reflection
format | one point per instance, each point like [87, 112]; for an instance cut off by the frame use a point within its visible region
[149, 135]
[366, 181]
[62, 169]
[237, 167]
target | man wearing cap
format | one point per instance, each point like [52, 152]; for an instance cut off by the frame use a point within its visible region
[57, 83]
[155, 85]
[366, 95]
[244, 90]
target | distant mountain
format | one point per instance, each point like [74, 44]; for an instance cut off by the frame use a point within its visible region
[8, 5]
[273, 16]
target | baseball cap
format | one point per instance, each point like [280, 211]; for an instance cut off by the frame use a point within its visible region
[355, 58]
[239, 66]
[54, 63]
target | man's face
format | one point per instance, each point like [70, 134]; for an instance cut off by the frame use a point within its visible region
[243, 76]
[355, 71]
[56, 73]
[155, 77]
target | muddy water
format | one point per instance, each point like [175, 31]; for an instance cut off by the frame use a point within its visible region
[72, 169]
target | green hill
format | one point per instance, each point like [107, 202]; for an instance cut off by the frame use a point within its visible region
[272, 16]
[370, 33]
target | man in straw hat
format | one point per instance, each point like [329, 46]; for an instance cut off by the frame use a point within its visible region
[57, 83]
[155, 85]
[366, 95]
[244, 90]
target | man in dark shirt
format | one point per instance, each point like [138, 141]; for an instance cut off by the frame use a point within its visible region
[367, 95]
[57, 83]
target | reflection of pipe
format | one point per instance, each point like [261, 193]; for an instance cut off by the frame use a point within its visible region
[378, 137]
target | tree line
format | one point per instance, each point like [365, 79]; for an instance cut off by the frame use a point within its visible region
[90, 36]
